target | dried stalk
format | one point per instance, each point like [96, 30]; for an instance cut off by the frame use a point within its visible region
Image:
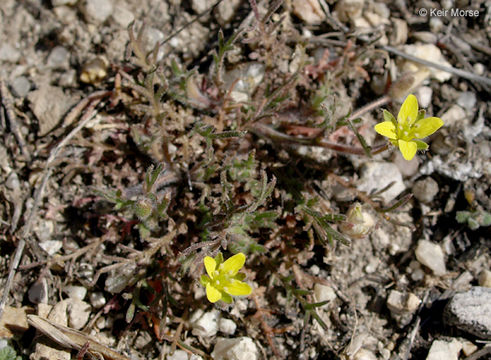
[73, 339]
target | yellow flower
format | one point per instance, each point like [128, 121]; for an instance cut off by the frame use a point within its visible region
[410, 126]
[224, 280]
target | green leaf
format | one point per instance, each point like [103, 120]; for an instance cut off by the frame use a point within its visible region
[389, 117]
[421, 145]
[472, 223]
[462, 216]
[486, 219]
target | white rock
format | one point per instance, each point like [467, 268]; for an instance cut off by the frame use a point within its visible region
[49, 104]
[398, 302]
[182, 355]
[425, 190]
[479, 68]
[324, 293]
[205, 324]
[468, 348]
[424, 94]
[431, 255]
[377, 175]
[485, 278]
[427, 52]
[309, 12]
[375, 19]
[51, 246]
[58, 58]
[97, 299]
[9, 53]
[470, 311]
[227, 326]
[467, 100]
[349, 9]
[399, 32]
[242, 348]
[444, 350]
[454, 116]
[78, 313]
[97, 11]
[200, 6]
[75, 292]
[226, 10]
[122, 16]
[425, 37]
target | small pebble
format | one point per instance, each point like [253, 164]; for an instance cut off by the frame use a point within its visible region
[242, 348]
[444, 350]
[58, 58]
[310, 12]
[78, 313]
[227, 326]
[122, 16]
[424, 94]
[97, 299]
[182, 355]
[384, 173]
[425, 190]
[485, 278]
[479, 68]
[38, 292]
[9, 53]
[364, 354]
[468, 348]
[399, 302]
[75, 292]
[21, 86]
[314, 269]
[51, 246]
[205, 324]
[454, 116]
[467, 100]
[324, 293]
[97, 11]
[431, 255]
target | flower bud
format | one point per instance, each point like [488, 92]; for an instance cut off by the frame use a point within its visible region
[143, 209]
[358, 223]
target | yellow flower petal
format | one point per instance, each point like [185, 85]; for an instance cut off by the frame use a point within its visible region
[408, 149]
[387, 129]
[409, 111]
[236, 288]
[233, 264]
[210, 266]
[212, 293]
[426, 127]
